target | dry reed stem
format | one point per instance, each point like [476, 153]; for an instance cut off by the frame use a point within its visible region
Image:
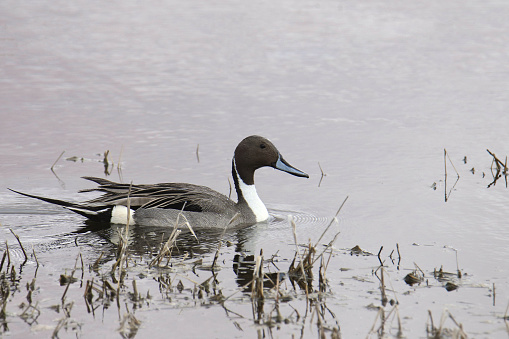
[332, 221]
[378, 255]
[3, 260]
[52, 166]
[186, 222]
[437, 332]
[70, 280]
[124, 242]
[119, 164]
[379, 314]
[323, 174]
[257, 286]
[21, 245]
[499, 163]
[294, 229]
[331, 243]
[63, 321]
[95, 265]
[106, 163]
[8, 254]
[35, 257]
[446, 156]
[166, 249]
[216, 255]
[382, 287]
[384, 318]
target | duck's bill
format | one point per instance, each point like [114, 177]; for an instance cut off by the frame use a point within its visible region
[282, 165]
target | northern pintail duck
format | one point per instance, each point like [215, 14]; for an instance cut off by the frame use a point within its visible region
[161, 204]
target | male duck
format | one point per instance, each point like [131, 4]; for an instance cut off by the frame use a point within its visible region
[161, 204]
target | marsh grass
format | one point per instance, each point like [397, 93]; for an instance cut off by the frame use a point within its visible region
[270, 296]
[283, 292]
[499, 170]
[440, 331]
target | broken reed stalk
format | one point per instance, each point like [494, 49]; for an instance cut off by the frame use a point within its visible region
[95, 265]
[21, 245]
[257, 286]
[322, 280]
[457, 265]
[166, 249]
[378, 255]
[446, 195]
[52, 166]
[119, 164]
[35, 257]
[494, 294]
[64, 320]
[323, 174]
[432, 329]
[446, 154]
[216, 255]
[70, 279]
[384, 318]
[128, 208]
[379, 314]
[399, 254]
[8, 254]
[301, 261]
[332, 221]
[331, 243]
[124, 240]
[3, 260]
[382, 287]
[106, 163]
[499, 163]
[186, 222]
[462, 333]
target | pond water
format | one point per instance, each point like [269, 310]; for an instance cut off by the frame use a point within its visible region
[370, 93]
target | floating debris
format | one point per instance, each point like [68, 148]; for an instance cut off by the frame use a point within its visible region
[413, 278]
[67, 279]
[449, 286]
[356, 250]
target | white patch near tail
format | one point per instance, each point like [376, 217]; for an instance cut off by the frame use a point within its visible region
[119, 215]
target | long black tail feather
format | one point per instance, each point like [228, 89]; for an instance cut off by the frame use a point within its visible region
[99, 213]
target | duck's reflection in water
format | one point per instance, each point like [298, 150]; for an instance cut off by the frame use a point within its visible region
[148, 241]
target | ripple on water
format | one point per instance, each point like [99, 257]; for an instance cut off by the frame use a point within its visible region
[301, 218]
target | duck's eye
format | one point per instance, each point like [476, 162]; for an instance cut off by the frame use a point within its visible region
[262, 146]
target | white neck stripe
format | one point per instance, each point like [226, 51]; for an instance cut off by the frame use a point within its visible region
[253, 200]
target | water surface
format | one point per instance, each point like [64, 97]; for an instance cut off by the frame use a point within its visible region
[372, 91]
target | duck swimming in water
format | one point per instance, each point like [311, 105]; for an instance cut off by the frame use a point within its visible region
[161, 204]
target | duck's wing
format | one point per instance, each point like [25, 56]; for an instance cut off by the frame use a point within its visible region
[187, 197]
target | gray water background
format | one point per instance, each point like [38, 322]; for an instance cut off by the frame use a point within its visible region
[373, 91]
